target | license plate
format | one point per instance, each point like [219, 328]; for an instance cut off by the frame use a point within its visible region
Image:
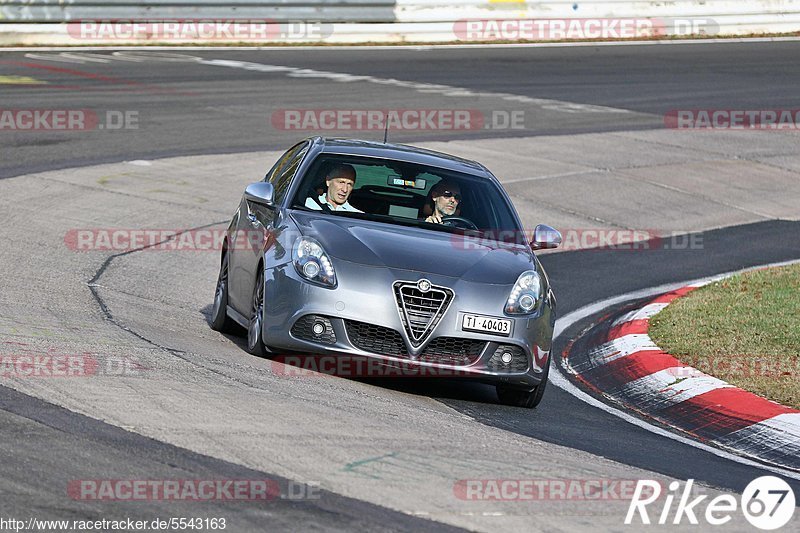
[486, 324]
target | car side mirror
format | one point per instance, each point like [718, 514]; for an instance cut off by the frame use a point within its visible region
[260, 192]
[545, 237]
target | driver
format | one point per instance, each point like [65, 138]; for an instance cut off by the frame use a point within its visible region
[446, 197]
[340, 181]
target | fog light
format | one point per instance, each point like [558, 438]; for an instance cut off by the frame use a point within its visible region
[506, 357]
[318, 328]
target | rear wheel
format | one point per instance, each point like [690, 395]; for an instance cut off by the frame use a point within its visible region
[255, 335]
[220, 321]
[517, 397]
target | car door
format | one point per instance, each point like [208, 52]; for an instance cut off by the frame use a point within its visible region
[255, 225]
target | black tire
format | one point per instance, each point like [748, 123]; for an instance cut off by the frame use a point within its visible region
[220, 321]
[516, 397]
[255, 334]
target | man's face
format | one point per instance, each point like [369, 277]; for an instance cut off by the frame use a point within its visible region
[340, 185]
[446, 200]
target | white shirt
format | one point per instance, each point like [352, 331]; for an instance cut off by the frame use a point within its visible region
[311, 204]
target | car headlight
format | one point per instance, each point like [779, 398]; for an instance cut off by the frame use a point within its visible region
[525, 295]
[312, 263]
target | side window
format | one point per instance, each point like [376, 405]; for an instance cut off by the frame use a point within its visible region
[279, 165]
[284, 170]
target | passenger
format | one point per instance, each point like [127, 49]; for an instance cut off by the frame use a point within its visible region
[340, 181]
[446, 197]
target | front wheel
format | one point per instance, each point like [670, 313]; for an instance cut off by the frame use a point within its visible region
[220, 321]
[517, 397]
[255, 334]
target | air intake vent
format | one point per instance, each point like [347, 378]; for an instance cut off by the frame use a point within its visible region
[386, 341]
[452, 351]
[376, 339]
[508, 358]
[314, 328]
[421, 306]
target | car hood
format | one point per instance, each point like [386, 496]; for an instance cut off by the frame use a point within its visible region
[409, 248]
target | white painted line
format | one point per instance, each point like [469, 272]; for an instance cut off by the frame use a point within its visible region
[787, 423]
[422, 87]
[63, 57]
[705, 282]
[615, 349]
[91, 58]
[777, 434]
[674, 385]
[643, 313]
[560, 380]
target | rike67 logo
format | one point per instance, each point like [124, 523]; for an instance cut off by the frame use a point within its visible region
[767, 503]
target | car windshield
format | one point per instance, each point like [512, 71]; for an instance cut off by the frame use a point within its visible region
[397, 192]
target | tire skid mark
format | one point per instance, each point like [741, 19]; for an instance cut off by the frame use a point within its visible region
[181, 354]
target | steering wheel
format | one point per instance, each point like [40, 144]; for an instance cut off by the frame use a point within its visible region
[459, 222]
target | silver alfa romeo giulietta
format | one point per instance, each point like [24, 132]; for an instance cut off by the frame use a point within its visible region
[394, 254]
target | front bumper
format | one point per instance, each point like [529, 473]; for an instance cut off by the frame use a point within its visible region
[361, 318]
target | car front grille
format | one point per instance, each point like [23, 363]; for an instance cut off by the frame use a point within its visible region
[386, 341]
[421, 311]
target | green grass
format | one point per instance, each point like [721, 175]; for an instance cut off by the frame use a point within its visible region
[744, 330]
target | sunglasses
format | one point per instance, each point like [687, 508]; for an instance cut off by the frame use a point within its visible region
[451, 194]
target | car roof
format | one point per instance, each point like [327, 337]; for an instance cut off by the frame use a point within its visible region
[400, 152]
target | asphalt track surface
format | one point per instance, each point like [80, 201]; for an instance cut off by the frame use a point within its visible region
[190, 108]
[187, 108]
